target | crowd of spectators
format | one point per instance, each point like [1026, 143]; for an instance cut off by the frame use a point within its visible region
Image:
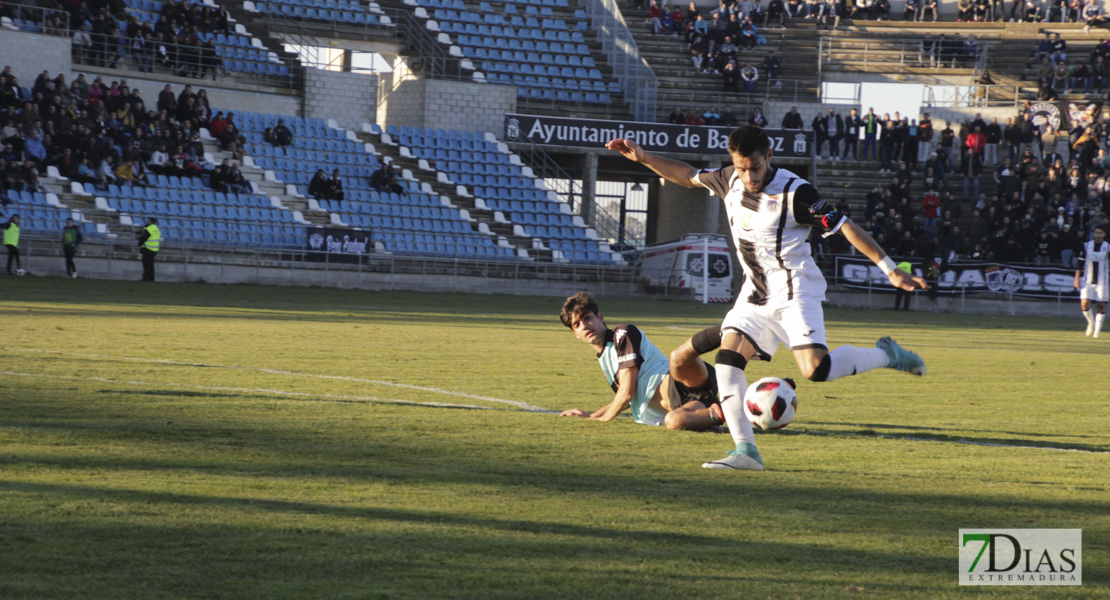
[96, 133]
[173, 42]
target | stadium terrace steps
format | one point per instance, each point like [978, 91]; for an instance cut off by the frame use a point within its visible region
[680, 86]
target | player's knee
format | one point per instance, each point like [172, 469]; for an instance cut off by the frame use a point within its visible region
[818, 372]
[674, 420]
[681, 356]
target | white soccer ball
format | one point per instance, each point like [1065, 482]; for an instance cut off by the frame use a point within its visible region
[20, 272]
[771, 403]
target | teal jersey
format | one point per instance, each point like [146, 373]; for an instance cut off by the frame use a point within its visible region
[626, 346]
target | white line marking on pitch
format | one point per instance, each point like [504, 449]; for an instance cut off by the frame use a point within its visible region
[521, 405]
[250, 390]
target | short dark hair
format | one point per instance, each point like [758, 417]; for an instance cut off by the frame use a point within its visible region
[748, 140]
[1101, 226]
[576, 306]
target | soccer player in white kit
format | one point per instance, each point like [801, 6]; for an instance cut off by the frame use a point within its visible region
[771, 213]
[1091, 279]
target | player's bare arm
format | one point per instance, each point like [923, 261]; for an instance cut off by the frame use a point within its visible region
[626, 389]
[867, 246]
[674, 171]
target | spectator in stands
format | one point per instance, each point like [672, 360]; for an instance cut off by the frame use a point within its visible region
[334, 186]
[730, 78]
[871, 128]
[835, 124]
[158, 161]
[710, 116]
[725, 54]
[750, 76]
[792, 119]
[830, 9]
[929, 8]
[655, 17]
[796, 9]
[964, 11]
[693, 118]
[927, 51]
[699, 28]
[757, 117]
[771, 68]
[946, 145]
[911, 9]
[880, 10]
[886, 145]
[930, 208]
[678, 116]
[283, 137]
[1092, 15]
[748, 36]
[852, 124]
[982, 10]
[728, 118]
[820, 126]
[236, 182]
[776, 13]
[1061, 77]
[385, 180]
[910, 140]
[317, 186]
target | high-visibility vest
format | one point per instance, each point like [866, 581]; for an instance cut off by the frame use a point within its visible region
[152, 242]
[11, 235]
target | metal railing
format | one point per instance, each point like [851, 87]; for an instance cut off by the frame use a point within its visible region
[901, 55]
[629, 68]
[567, 187]
[112, 51]
[969, 96]
[792, 90]
[32, 18]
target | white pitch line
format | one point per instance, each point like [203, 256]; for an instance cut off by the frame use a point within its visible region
[246, 390]
[518, 404]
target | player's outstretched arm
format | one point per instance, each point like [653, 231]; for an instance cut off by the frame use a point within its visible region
[626, 389]
[870, 248]
[674, 171]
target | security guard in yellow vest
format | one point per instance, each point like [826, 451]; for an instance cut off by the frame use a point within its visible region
[902, 296]
[148, 247]
[11, 242]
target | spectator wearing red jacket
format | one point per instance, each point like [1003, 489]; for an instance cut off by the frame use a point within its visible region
[930, 207]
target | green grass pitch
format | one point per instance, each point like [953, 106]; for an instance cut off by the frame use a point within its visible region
[201, 441]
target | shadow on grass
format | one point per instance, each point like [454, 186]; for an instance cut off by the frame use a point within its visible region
[922, 435]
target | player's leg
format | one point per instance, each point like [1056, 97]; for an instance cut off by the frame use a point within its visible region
[736, 351]
[1101, 306]
[1085, 306]
[804, 326]
[692, 416]
[686, 365]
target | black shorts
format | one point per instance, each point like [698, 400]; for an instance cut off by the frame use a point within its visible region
[706, 394]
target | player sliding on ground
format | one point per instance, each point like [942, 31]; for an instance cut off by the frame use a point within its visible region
[1091, 279]
[771, 212]
[684, 397]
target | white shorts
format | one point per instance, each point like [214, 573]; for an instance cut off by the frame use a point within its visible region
[1093, 293]
[798, 323]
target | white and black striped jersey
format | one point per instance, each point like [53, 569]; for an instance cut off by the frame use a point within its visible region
[626, 346]
[770, 231]
[1095, 261]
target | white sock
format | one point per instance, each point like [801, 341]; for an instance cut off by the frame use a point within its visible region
[1098, 322]
[1089, 314]
[731, 384]
[852, 360]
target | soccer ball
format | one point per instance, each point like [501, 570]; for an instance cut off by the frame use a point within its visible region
[20, 272]
[771, 403]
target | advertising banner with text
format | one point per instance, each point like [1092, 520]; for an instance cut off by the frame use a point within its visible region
[653, 137]
[337, 245]
[969, 277]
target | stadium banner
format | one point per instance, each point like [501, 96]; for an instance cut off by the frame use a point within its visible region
[653, 137]
[1064, 115]
[327, 244]
[967, 277]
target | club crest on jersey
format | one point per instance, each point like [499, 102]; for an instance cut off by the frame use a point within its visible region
[773, 202]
